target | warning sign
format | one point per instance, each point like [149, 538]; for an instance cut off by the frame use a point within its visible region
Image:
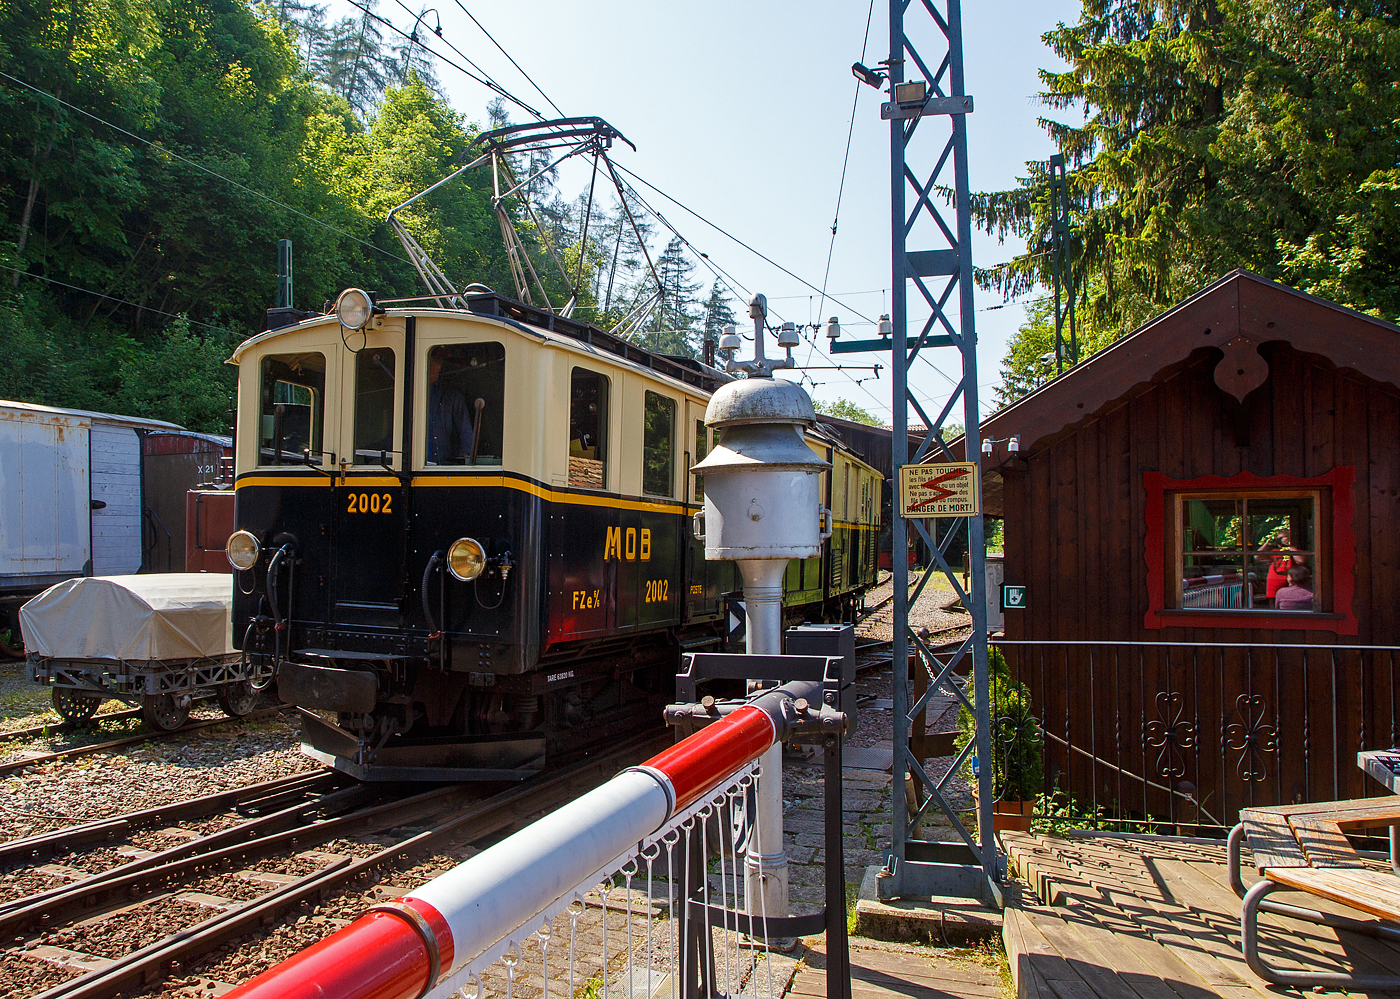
[939, 490]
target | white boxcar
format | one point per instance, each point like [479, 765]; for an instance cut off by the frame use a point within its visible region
[70, 501]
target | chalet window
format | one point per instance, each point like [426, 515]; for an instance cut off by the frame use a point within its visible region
[588, 429]
[292, 408]
[659, 446]
[1219, 551]
[1256, 551]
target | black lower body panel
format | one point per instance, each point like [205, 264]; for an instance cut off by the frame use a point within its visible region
[460, 758]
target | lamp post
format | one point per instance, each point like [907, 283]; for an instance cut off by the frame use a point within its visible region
[762, 508]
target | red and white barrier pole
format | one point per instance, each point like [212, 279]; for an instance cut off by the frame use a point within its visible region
[400, 950]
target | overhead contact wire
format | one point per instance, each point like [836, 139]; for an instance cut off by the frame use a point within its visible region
[198, 166]
[122, 301]
[484, 79]
[517, 65]
[845, 162]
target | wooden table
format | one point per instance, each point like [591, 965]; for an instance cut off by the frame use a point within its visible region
[1384, 765]
[1305, 848]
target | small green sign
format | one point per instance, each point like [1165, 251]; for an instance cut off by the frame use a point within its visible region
[1013, 596]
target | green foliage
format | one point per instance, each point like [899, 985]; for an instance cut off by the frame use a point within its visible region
[844, 409]
[176, 141]
[1018, 746]
[996, 535]
[1217, 134]
[1030, 355]
[1057, 813]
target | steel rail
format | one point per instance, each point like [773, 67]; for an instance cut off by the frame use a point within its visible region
[255, 839]
[266, 794]
[21, 911]
[66, 754]
[485, 818]
[34, 731]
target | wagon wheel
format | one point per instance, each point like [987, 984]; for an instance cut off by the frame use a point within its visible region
[162, 711]
[75, 707]
[237, 698]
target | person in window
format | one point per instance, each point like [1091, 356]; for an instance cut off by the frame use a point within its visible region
[449, 421]
[1277, 578]
[1298, 594]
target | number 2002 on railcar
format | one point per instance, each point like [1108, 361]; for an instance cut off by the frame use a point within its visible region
[464, 536]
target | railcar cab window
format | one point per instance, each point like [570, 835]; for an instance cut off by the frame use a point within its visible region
[659, 446]
[291, 408]
[588, 429]
[1250, 552]
[702, 448]
[466, 404]
[374, 406]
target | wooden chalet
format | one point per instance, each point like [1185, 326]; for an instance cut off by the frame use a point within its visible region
[1162, 492]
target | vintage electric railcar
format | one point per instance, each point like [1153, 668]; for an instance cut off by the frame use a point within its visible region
[465, 536]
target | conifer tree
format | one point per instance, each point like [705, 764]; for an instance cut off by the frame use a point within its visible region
[409, 56]
[718, 312]
[356, 67]
[675, 318]
[1215, 134]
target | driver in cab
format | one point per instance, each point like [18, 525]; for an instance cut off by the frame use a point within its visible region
[449, 422]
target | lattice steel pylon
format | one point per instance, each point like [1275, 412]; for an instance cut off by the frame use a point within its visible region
[928, 136]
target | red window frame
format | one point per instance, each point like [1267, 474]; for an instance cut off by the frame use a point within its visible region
[1341, 549]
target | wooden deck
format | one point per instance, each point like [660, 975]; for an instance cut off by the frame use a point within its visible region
[1103, 916]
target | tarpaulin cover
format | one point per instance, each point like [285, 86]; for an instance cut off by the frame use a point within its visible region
[171, 615]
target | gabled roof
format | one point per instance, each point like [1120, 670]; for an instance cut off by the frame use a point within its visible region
[89, 415]
[1235, 315]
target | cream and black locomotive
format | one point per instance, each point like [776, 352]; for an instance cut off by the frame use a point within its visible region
[464, 535]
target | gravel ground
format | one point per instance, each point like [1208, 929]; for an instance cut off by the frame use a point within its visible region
[26, 976]
[203, 762]
[24, 702]
[930, 612]
[123, 932]
[23, 884]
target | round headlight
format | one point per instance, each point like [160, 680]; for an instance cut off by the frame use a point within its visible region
[242, 550]
[466, 559]
[353, 308]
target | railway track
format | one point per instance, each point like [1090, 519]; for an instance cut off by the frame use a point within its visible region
[56, 925]
[251, 799]
[14, 766]
[52, 728]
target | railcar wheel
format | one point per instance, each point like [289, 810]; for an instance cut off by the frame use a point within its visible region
[164, 711]
[237, 699]
[73, 706]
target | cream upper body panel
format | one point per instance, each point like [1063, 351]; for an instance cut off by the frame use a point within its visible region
[538, 366]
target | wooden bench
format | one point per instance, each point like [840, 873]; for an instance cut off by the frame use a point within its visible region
[1304, 848]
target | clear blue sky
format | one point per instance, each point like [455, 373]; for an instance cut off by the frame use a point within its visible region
[740, 111]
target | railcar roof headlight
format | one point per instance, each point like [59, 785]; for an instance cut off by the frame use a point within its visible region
[465, 559]
[354, 308]
[242, 550]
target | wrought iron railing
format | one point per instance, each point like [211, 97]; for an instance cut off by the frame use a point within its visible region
[1156, 734]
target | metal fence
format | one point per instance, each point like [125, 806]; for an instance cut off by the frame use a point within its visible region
[632, 890]
[1161, 734]
[618, 932]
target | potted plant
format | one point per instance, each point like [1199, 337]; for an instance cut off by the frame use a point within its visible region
[1018, 749]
